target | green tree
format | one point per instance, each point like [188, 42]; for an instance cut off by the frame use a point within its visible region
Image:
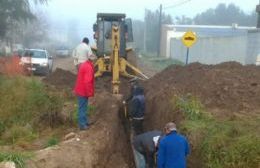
[225, 15]
[40, 28]
[13, 11]
[183, 20]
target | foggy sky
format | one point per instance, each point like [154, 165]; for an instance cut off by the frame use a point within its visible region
[84, 11]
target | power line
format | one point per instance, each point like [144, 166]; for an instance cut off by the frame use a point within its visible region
[160, 22]
[177, 4]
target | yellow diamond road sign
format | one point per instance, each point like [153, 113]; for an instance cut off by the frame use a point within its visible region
[189, 38]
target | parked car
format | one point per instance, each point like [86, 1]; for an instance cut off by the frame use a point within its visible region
[62, 52]
[37, 61]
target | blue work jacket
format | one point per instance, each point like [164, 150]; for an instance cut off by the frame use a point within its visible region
[173, 149]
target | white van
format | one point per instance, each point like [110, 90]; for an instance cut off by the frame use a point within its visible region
[37, 61]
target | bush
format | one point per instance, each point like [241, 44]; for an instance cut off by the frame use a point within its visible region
[19, 133]
[230, 143]
[158, 63]
[52, 142]
[24, 101]
[17, 158]
[192, 108]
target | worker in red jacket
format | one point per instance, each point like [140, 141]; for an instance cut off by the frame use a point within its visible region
[84, 89]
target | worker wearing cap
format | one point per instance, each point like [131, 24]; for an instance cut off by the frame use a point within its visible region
[82, 52]
[146, 145]
[84, 89]
[173, 149]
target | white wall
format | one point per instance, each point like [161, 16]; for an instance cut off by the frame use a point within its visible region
[253, 46]
[212, 50]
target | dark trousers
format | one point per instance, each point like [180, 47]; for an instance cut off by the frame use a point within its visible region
[149, 159]
[137, 126]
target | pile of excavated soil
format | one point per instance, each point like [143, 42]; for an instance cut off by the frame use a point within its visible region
[105, 83]
[61, 78]
[229, 86]
[225, 90]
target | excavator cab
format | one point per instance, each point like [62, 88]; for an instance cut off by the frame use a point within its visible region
[112, 33]
[103, 33]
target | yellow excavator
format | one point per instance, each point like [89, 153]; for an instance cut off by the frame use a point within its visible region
[112, 33]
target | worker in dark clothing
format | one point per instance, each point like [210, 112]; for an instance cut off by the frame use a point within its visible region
[146, 145]
[173, 149]
[134, 84]
[137, 109]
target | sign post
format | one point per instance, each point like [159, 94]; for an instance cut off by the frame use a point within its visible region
[188, 39]
[187, 56]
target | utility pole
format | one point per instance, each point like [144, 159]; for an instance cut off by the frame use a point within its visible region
[258, 11]
[145, 31]
[160, 23]
[159, 32]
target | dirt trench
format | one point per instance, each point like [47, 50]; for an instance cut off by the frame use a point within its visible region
[105, 144]
[225, 90]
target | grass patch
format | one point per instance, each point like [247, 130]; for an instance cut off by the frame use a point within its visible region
[91, 110]
[158, 63]
[19, 134]
[26, 106]
[52, 142]
[230, 143]
[17, 158]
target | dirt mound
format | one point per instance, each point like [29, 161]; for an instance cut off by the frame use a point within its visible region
[61, 78]
[105, 83]
[226, 90]
[229, 86]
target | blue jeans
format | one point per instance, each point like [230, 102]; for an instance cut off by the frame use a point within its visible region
[82, 111]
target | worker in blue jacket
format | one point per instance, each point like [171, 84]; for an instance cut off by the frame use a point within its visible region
[173, 149]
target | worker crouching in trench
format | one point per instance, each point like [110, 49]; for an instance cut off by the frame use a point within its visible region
[146, 144]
